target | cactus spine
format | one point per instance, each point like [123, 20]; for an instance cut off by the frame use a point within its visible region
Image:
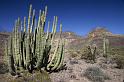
[29, 46]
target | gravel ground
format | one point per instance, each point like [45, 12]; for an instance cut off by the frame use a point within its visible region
[76, 68]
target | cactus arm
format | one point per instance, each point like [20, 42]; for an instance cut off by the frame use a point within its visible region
[54, 55]
[28, 41]
[62, 59]
[10, 56]
[33, 21]
[59, 52]
[59, 59]
[6, 51]
[29, 18]
[107, 45]
[24, 43]
[56, 51]
[54, 29]
[104, 46]
[42, 41]
[47, 36]
[38, 36]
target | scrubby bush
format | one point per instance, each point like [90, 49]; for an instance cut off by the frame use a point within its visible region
[119, 60]
[117, 55]
[74, 53]
[84, 53]
[89, 54]
[95, 74]
[3, 68]
[36, 76]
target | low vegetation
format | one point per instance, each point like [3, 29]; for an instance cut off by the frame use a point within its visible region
[36, 76]
[3, 68]
[95, 74]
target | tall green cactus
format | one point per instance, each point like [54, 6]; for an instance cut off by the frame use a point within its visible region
[30, 46]
[105, 47]
[10, 56]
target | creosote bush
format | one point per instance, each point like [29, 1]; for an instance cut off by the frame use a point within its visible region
[73, 54]
[119, 60]
[95, 74]
[89, 54]
[3, 68]
[117, 56]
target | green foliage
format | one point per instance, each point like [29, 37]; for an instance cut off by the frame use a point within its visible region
[89, 53]
[73, 54]
[117, 55]
[29, 47]
[119, 59]
[95, 74]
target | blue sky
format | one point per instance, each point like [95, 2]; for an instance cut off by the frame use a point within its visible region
[79, 16]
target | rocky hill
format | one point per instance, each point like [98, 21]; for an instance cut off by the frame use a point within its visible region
[96, 37]
[76, 42]
[99, 32]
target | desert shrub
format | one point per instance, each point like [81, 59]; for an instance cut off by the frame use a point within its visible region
[36, 76]
[95, 74]
[3, 68]
[74, 53]
[117, 55]
[89, 54]
[84, 53]
[119, 60]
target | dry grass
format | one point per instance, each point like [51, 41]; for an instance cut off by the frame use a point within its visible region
[27, 77]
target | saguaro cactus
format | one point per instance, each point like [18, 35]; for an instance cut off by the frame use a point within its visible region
[30, 46]
[105, 47]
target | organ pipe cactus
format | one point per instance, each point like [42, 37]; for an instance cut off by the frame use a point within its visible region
[10, 56]
[57, 58]
[30, 47]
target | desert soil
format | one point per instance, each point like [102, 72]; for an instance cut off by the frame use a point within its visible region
[76, 68]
